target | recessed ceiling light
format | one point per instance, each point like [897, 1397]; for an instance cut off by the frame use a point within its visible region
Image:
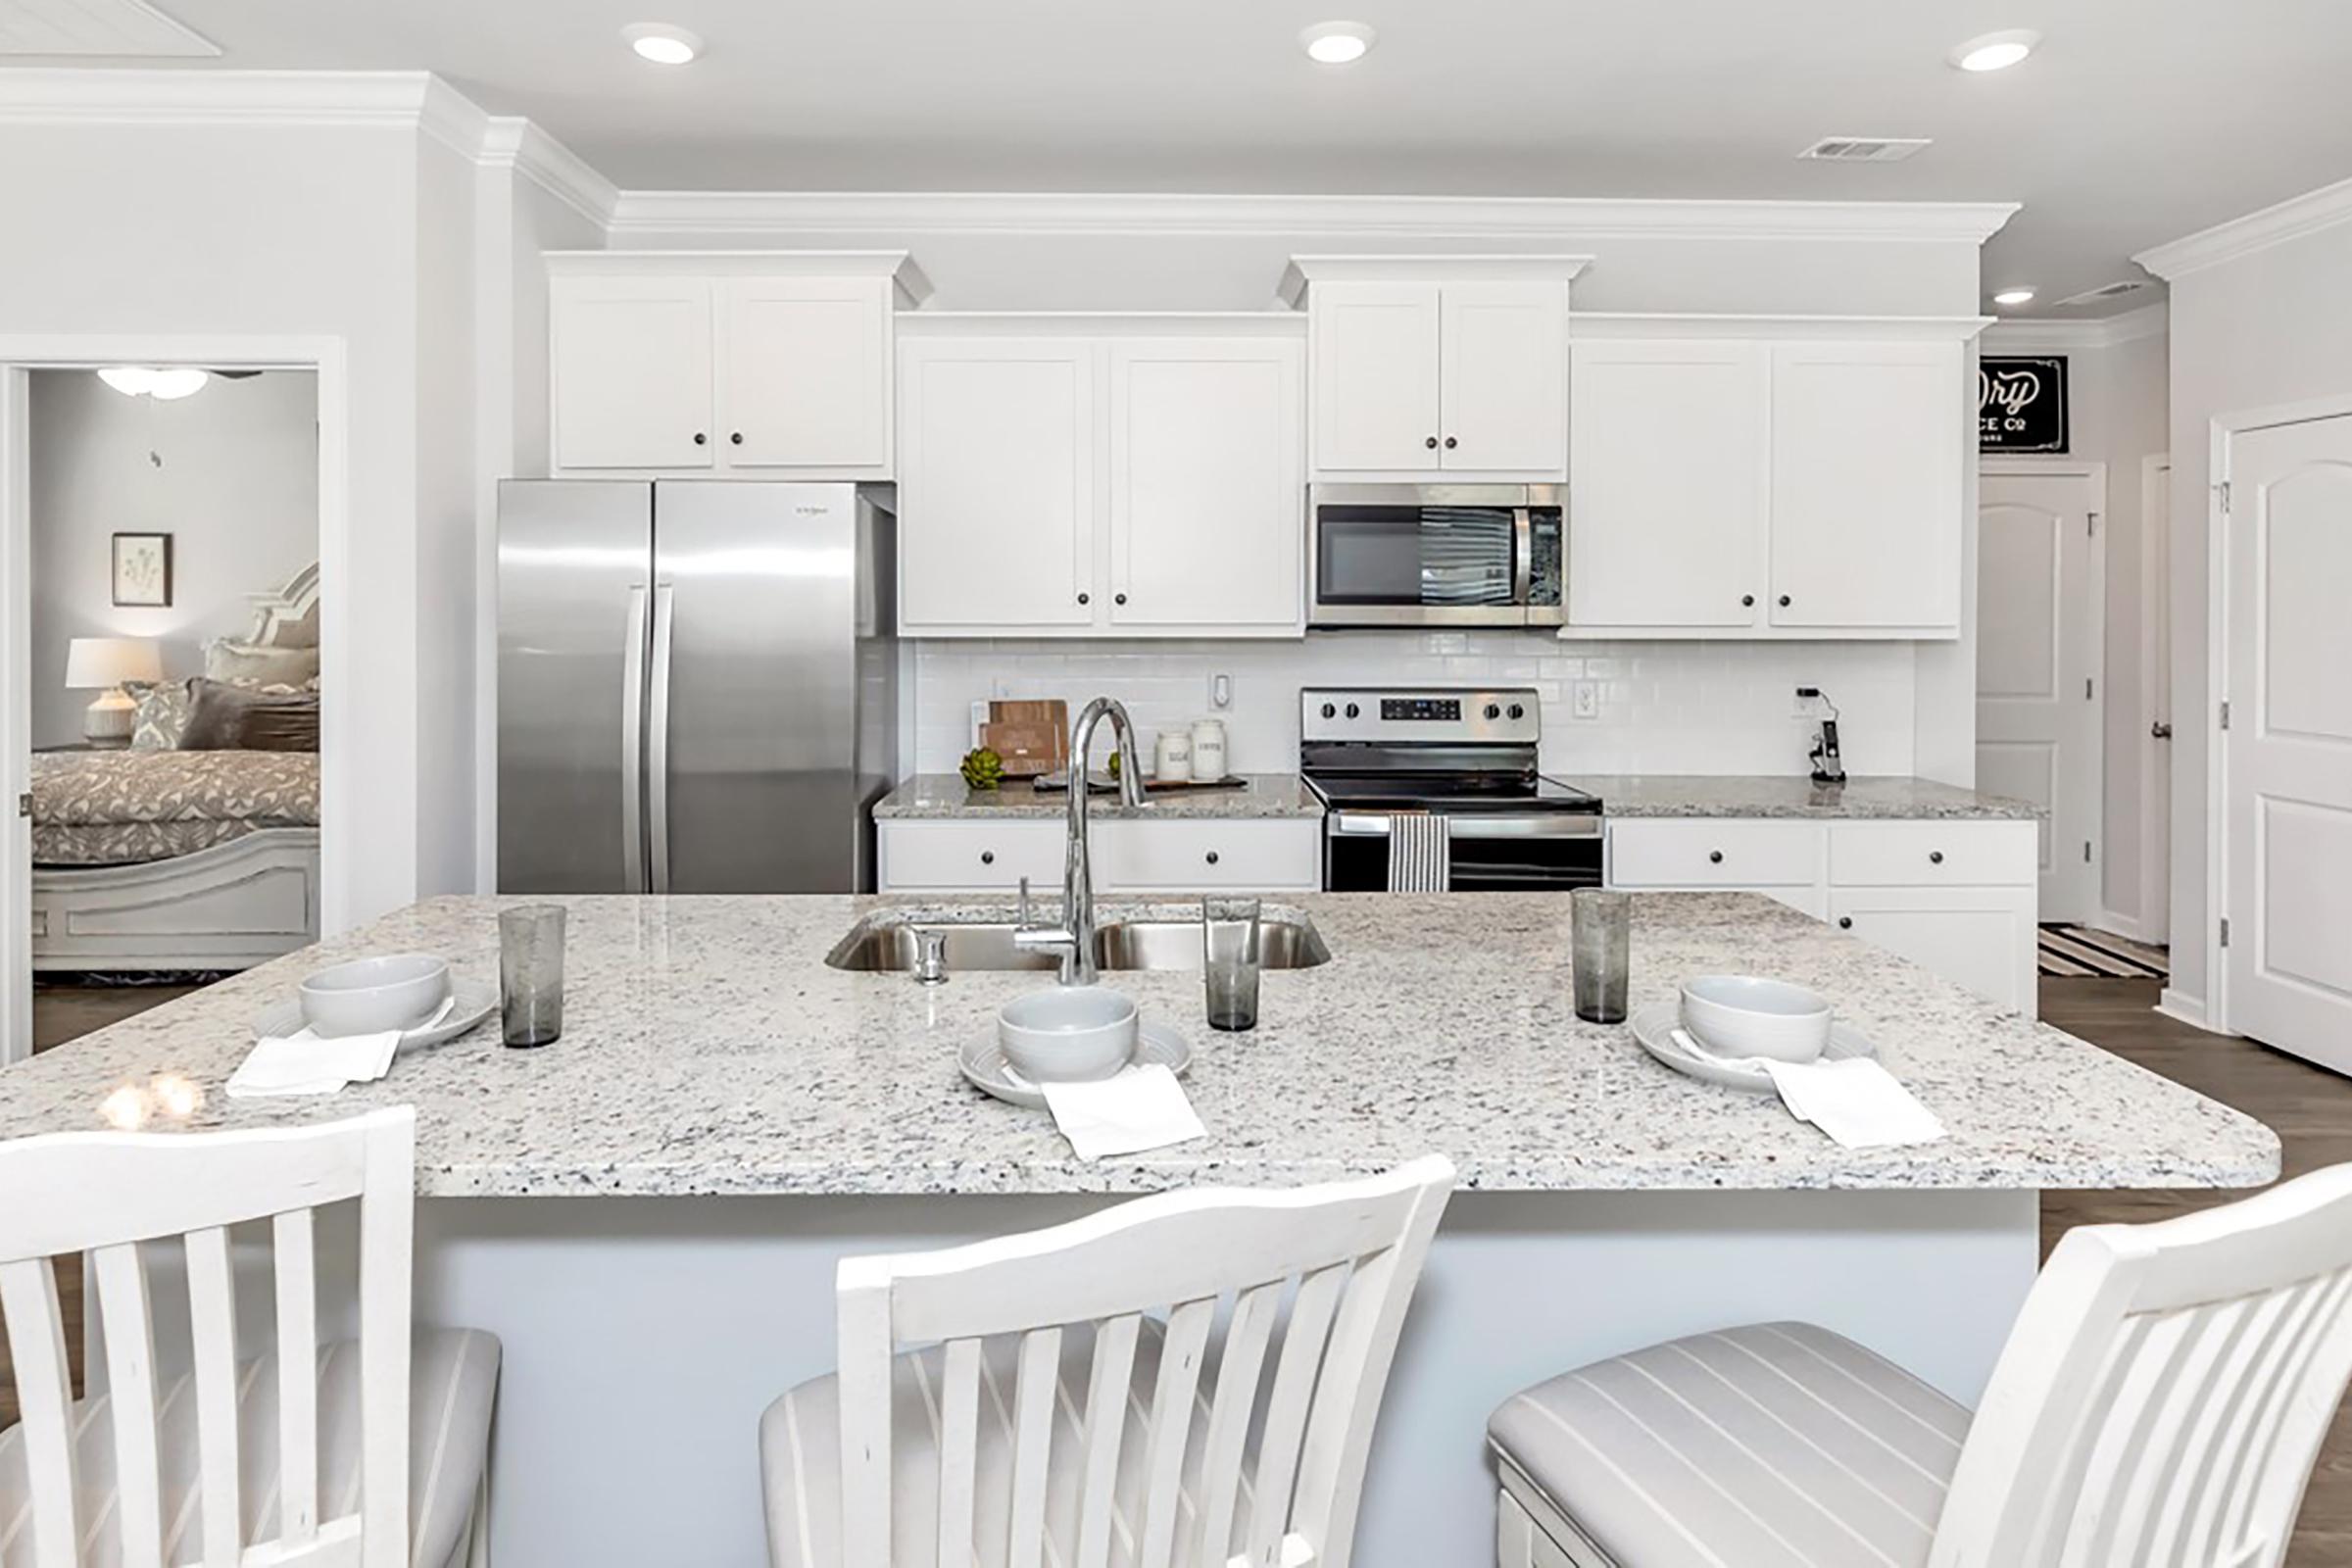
[662, 43]
[2014, 296]
[1996, 51]
[1338, 43]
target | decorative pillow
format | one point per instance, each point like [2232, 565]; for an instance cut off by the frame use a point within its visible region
[161, 717]
[252, 664]
[223, 717]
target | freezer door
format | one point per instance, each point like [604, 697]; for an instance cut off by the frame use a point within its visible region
[574, 618]
[751, 766]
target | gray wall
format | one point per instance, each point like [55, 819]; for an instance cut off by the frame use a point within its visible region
[238, 489]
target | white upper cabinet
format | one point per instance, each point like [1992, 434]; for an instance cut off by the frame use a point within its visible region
[1207, 472]
[631, 373]
[1868, 443]
[1785, 482]
[771, 365]
[1436, 365]
[1670, 488]
[1092, 484]
[995, 484]
[804, 371]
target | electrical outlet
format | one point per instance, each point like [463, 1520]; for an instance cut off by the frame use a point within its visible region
[1220, 692]
[1586, 700]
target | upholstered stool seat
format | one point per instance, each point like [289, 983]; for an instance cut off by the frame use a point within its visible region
[1776, 1446]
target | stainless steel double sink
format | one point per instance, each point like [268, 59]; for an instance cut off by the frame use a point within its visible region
[890, 943]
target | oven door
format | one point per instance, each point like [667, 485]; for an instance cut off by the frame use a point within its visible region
[1434, 556]
[1535, 853]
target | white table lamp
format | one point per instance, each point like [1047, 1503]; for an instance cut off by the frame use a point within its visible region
[107, 662]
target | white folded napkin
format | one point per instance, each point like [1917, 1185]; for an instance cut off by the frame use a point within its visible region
[306, 1064]
[1133, 1110]
[1856, 1102]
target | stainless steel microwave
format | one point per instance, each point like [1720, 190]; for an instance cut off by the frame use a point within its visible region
[1436, 554]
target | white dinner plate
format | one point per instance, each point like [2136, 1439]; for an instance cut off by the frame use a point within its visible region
[475, 1001]
[1654, 1025]
[983, 1063]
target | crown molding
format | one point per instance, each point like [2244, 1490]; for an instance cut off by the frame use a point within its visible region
[646, 214]
[1652, 325]
[512, 142]
[2104, 333]
[2290, 219]
[72, 95]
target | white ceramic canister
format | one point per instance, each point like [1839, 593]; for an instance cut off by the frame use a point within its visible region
[1172, 756]
[1209, 750]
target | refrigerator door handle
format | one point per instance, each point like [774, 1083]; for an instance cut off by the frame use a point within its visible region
[632, 743]
[656, 724]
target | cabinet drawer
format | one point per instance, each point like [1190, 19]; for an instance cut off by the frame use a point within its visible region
[1206, 855]
[1714, 853]
[1882, 854]
[969, 854]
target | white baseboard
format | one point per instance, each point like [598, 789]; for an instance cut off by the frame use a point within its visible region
[2117, 925]
[2188, 1009]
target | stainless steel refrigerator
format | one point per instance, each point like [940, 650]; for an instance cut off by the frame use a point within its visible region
[696, 685]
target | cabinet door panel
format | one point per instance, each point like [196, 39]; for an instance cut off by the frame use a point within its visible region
[1667, 507]
[1867, 445]
[1979, 937]
[1207, 483]
[1503, 377]
[996, 483]
[805, 369]
[630, 372]
[1376, 375]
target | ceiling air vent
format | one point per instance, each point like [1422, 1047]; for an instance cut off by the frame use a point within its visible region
[128, 28]
[2107, 291]
[1864, 149]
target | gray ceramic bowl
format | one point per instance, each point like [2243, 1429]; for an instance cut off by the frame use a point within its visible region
[367, 995]
[1068, 1034]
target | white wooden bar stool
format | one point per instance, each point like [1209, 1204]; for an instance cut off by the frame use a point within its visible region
[2160, 1401]
[375, 1459]
[1051, 1416]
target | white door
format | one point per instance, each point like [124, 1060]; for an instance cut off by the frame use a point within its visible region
[997, 483]
[1667, 510]
[1503, 377]
[1979, 938]
[1208, 484]
[631, 373]
[805, 372]
[1867, 445]
[2156, 676]
[2040, 628]
[1376, 375]
[2288, 753]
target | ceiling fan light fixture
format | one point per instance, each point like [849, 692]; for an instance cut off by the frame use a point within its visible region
[2014, 296]
[660, 43]
[1338, 43]
[165, 385]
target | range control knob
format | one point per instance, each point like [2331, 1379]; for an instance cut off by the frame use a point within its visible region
[1493, 712]
[1354, 712]
[1518, 711]
[1330, 711]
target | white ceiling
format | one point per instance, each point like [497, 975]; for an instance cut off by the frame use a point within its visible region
[2138, 121]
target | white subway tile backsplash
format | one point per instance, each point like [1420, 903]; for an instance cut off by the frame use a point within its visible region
[1665, 707]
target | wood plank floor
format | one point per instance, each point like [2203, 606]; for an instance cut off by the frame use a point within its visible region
[2311, 1108]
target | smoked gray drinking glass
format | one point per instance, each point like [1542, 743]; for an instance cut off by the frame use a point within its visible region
[1229, 952]
[530, 973]
[1600, 921]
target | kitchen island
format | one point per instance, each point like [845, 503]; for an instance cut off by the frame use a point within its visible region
[728, 1115]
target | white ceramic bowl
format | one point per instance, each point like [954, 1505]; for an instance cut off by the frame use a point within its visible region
[1067, 1035]
[1740, 1016]
[395, 991]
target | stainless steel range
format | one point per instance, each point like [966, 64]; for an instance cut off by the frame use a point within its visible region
[1468, 754]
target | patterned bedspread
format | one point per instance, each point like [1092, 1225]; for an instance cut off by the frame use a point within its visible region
[128, 808]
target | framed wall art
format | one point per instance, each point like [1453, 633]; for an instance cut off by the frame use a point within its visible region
[143, 571]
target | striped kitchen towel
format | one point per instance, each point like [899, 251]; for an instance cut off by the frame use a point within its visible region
[1420, 853]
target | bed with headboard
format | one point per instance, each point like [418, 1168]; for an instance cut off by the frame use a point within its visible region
[197, 846]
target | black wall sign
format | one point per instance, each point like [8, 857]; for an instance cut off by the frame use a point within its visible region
[2021, 403]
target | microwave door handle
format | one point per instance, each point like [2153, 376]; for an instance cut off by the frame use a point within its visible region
[1523, 557]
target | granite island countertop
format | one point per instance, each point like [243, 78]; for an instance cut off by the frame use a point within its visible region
[709, 1051]
[944, 796]
[1862, 795]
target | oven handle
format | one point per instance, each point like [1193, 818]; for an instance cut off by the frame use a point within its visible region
[1523, 555]
[1365, 825]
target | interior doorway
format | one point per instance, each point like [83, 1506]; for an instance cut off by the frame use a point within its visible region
[2041, 681]
[2155, 735]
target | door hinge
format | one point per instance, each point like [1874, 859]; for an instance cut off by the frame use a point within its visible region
[2222, 490]
[2086, 688]
[25, 803]
[2086, 852]
[2224, 715]
[2090, 524]
[2225, 930]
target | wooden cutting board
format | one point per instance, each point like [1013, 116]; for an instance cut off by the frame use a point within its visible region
[1032, 737]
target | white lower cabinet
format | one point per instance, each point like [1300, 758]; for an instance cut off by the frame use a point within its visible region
[1189, 855]
[1958, 898]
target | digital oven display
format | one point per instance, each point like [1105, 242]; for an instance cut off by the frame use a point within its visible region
[1428, 710]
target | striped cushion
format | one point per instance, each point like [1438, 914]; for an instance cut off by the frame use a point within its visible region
[453, 1378]
[800, 1459]
[1780, 1446]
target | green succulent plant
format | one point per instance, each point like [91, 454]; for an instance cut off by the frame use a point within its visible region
[982, 768]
